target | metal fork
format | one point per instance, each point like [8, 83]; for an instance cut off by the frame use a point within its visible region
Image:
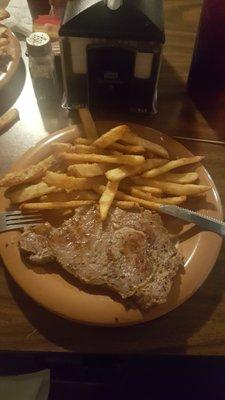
[11, 220]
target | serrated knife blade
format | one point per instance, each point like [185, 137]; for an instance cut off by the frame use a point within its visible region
[208, 223]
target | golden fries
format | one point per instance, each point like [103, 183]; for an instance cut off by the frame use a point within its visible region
[26, 175]
[188, 177]
[92, 170]
[173, 188]
[88, 170]
[126, 197]
[99, 158]
[81, 140]
[149, 189]
[84, 149]
[78, 148]
[152, 163]
[148, 196]
[8, 118]
[111, 136]
[56, 205]
[128, 149]
[145, 203]
[66, 182]
[139, 193]
[25, 193]
[116, 153]
[154, 148]
[126, 205]
[88, 124]
[107, 198]
[58, 146]
[169, 200]
[48, 163]
[171, 165]
[117, 174]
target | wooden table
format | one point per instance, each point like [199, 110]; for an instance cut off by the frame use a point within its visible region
[196, 327]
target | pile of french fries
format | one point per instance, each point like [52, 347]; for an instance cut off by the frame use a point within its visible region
[118, 168]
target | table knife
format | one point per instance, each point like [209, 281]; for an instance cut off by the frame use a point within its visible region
[208, 223]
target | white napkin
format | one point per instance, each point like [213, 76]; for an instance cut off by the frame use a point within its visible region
[33, 386]
[20, 20]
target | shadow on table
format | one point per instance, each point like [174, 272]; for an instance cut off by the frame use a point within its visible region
[169, 334]
[211, 104]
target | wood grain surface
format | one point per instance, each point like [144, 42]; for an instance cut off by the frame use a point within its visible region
[196, 327]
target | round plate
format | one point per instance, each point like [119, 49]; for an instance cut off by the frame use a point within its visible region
[57, 291]
[14, 51]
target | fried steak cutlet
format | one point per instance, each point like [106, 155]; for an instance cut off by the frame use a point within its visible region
[130, 253]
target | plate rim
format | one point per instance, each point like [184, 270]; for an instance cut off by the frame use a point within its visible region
[15, 62]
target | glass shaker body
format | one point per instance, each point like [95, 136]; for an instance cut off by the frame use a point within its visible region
[44, 78]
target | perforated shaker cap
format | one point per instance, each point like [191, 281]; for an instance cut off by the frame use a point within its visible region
[38, 44]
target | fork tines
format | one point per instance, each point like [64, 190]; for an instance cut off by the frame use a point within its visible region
[16, 217]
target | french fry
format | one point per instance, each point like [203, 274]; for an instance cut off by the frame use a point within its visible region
[81, 140]
[25, 193]
[28, 174]
[188, 177]
[116, 153]
[88, 170]
[126, 197]
[88, 124]
[84, 149]
[172, 165]
[126, 171]
[177, 189]
[154, 191]
[69, 196]
[127, 205]
[58, 146]
[138, 193]
[3, 14]
[66, 182]
[166, 200]
[154, 148]
[170, 200]
[8, 118]
[117, 174]
[57, 205]
[152, 163]
[110, 137]
[128, 149]
[78, 148]
[107, 198]
[99, 158]
[48, 163]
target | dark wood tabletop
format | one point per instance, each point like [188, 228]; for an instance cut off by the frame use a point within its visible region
[198, 326]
